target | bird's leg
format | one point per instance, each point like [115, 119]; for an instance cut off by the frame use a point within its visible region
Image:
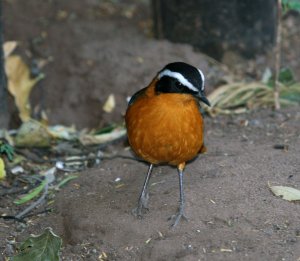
[180, 214]
[143, 199]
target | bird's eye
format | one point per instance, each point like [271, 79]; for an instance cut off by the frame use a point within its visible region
[179, 85]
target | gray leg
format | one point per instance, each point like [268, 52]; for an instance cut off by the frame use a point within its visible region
[180, 214]
[143, 200]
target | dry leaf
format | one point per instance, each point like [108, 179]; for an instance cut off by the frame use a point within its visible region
[88, 139]
[238, 97]
[63, 132]
[9, 47]
[110, 104]
[2, 169]
[20, 84]
[226, 250]
[286, 193]
[33, 134]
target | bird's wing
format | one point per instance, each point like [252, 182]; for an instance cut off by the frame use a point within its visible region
[135, 96]
[203, 149]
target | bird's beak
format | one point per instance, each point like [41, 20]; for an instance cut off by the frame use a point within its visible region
[201, 96]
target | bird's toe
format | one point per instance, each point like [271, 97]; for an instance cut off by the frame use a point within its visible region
[139, 211]
[177, 217]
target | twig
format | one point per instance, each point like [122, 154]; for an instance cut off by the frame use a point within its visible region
[34, 204]
[13, 190]
[46, 210]
[26, 216]
[85, 158]
[277, 57]
[14, 218]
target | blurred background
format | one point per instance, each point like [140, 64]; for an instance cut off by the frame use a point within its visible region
[88, 51]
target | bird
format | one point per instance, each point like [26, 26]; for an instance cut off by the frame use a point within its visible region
[165, 126]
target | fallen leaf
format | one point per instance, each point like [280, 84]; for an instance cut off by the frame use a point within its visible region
[287, 193]
[72, 164]
[63, 132]
[103, 255]
[65, 181]
[49, 178]
[41, 247]
[110, 104]
[160, 234]
[2, 169]
[120, 186]
[32, 194]
[106, 129]
[89, 139]
[9, 47]
[32, 134]
[20, 84]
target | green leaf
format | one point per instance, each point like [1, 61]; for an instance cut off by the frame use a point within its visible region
[44, 247]
[33, 133]
[295, 5]
[286, 193]
[291, 93]
[286, 76]
[294, 97]
[291, 5]
[7, 149]
[32, 194]
[66, 180]
[106, 129]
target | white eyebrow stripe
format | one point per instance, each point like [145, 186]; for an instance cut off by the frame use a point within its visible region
[179, 77]
[203, 79]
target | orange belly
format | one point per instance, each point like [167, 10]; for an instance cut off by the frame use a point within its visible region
[165, 128]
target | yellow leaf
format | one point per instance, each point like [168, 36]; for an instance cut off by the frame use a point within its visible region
[110, 104]
[88, 139]
[20, 84]
[9, 47]
[2, 169]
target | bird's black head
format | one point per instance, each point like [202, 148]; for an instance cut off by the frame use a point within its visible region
[180, 77]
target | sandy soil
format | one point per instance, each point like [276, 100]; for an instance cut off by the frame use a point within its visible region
[232, 213]
[102, 49]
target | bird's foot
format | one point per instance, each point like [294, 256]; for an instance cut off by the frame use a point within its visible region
[142, 206]
[177, 217]
[139, 211]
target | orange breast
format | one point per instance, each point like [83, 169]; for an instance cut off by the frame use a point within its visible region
[165, 128]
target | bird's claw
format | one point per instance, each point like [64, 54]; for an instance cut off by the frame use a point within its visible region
[142, 206]
[139, 211]
[177, 217]
[144, 197]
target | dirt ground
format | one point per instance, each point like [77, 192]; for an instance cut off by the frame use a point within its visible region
[232, 213]
[105, 48]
